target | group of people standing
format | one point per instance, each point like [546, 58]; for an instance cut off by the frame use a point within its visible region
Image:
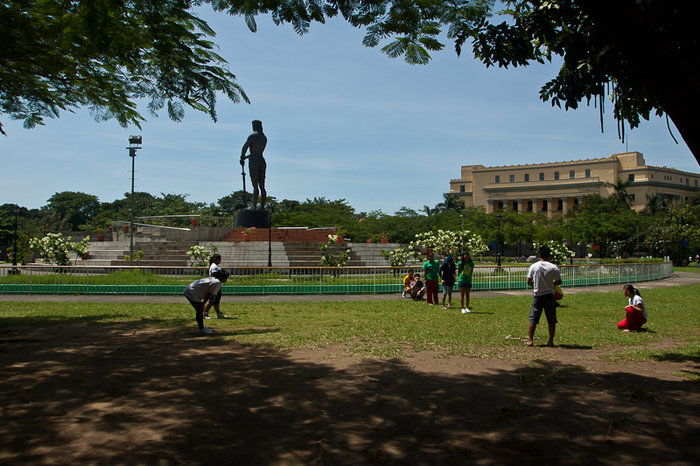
[543, 276]
[446, 273]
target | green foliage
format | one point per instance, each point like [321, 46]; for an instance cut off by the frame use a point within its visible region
[678, 234]
[57, 56]
[332, 260]
[608, 224]
[600, 63]
[137, 257]
[78, 209]
[56, 250]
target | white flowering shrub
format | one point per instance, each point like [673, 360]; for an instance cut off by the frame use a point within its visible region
[331, 260]
[55, 249]
[560, 253]
[401, 256]
[444, 242]
[199, 256]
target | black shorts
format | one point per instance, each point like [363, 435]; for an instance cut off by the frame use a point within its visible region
[546, 303]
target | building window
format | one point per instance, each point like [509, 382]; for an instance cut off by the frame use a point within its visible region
[541, 176]
[687, 181]
[461, 188]
[572, 174]
[527, 178]
[544, 205]
[588, 172]
[498, 178]
[560, 205]
[529, 206]
[499, 205]
[515, 206]
[556, 175]
[630, 177]
[632, 198]
[512, 178]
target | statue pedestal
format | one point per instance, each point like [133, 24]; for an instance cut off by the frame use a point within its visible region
[246, 218]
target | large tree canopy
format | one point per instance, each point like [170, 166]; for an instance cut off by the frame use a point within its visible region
[640, 54]
[103, 54]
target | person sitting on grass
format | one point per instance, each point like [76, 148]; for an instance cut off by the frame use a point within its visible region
[417, 288]
[214, 262]
[200, 291]
[635, 312]
[407, 280]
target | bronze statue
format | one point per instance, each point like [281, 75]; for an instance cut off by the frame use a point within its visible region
[256, 142]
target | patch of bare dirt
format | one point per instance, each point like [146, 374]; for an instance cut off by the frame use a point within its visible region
[119, 394]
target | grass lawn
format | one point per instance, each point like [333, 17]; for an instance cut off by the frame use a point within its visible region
[691, 269]
[389, 328]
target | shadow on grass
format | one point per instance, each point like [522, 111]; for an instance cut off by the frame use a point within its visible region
[119, 393]
[672, 356]
[575, 347]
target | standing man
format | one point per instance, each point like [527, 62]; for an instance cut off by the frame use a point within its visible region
[543, 276]
[256, 142]
[430, 267]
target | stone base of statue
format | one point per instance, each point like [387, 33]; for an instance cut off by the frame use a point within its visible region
[258, 218]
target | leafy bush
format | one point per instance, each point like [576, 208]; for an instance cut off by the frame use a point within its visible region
[560, 253]
[331, 260]
[199, 256]
[54, 249]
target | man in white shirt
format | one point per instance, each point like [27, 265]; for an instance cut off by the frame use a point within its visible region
[543, 276]
[200, 291]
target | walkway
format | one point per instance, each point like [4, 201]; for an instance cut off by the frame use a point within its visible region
[677, 279]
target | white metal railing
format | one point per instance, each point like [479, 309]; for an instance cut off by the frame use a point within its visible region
[47, 279]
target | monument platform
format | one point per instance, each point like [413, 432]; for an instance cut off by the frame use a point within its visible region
[283, 235]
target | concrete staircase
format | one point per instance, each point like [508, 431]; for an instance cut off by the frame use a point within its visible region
[159, 252]
[155, 253]
[308, 254]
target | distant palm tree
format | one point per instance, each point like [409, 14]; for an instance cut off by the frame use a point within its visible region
[655, 204]
[450, 202]
[428, 211]
[621, 193]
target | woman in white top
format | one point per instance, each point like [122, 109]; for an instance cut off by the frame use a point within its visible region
[214, 262]
[636, 310]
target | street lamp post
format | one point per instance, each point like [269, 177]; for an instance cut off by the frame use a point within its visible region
[571, 241]
[134, 145]
[498, 245]
[15, 210]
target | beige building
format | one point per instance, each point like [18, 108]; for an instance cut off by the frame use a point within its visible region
[555, 188]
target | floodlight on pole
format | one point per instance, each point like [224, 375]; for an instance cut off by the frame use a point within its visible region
[134, 145]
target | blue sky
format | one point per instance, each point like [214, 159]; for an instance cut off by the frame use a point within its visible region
[343, 121]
